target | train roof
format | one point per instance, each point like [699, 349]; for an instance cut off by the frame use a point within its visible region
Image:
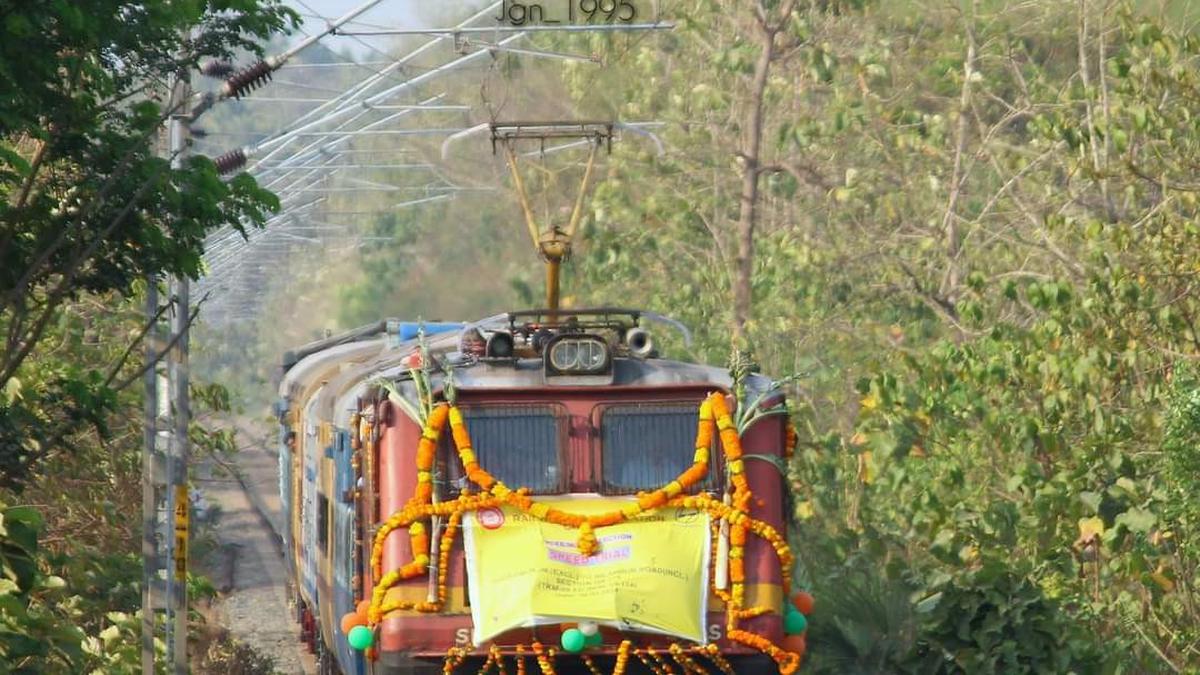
[339, 370]
[319, 365]
[627, 372]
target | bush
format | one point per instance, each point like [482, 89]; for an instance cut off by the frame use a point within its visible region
[228, 656]
[996, 620]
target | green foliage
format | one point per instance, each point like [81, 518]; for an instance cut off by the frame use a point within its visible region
[53, 623]
[995, 619]
[87, 209]
[30, 631]
[88, 204]
[976, 242]
[871, 628]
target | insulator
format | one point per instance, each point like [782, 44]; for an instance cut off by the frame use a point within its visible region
[198, 132]
[217, 68]
[230, 161]
[248, 80]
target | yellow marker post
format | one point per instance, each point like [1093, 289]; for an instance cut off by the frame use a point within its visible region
[182, 517]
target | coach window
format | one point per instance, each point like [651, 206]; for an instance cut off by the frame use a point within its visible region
[323, 522]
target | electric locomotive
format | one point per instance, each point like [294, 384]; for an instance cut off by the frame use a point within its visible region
[536, 492]
[558, 407]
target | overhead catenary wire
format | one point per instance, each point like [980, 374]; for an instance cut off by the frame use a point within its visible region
[324, 148]
[334, 64]
[311, 155]
[330, 25]
[289, 134]
[562, 28]
[250, 78]
[355, 92]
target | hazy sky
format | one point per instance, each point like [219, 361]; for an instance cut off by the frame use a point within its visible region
[386, 14]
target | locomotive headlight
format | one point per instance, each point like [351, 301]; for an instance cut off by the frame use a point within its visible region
[577, 355]
[564, 355]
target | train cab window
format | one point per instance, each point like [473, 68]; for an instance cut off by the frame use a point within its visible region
[521, 445]
[647, 445]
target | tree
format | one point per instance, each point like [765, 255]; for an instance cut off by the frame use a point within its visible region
[978, 247]
[87, 205]
[768, 23]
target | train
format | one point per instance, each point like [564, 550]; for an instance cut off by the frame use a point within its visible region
[535, 492]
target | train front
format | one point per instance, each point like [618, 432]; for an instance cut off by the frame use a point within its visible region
[552, 497]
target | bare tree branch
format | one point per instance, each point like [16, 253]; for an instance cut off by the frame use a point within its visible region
[957, 177]
[195, 313]
[112, 373]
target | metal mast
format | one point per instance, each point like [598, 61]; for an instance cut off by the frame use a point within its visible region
[165, 502]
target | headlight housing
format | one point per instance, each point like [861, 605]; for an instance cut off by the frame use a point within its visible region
[577, 355]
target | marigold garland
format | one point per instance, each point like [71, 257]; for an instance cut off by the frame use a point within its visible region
[544, 659]
[713, 652]
[520, 659]
[646, 501]
[648, 662]
[591, 665]
[487, 665]
[494, 652]
[714, 415]
[658, 662]
[685, 661]
[418, 535]
[622, 657]
[454, 657]
[666, 667]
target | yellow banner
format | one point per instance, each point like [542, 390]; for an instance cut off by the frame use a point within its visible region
[650, 574]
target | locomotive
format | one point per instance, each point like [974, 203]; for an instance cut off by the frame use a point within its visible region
[408, 449]
[535, 492]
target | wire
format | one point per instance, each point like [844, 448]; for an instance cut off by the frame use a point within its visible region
[317, 167]
[309, 15]
[360, 41]
[332, 64]
[301, 85]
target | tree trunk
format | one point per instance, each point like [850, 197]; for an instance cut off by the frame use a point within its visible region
[751, 170]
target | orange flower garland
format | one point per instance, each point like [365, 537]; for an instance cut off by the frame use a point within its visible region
[658, 662]
[591, 665]
[648, 662]
[790, 440]
[646, 501]
[487, 665]
[622, 657]
[714, 654]
[426, 454]
[543, 659]
[688, 664]
[454, 656]
[494, 653]
[714, 414]
[410, 514]
[520, 659]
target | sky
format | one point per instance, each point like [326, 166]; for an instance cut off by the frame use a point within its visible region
[386, 14]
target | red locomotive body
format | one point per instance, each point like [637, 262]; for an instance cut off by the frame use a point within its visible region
[620, 425]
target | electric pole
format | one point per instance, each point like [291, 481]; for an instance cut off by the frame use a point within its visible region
[181, 412]
[166, 507]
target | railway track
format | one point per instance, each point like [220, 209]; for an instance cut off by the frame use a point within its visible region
[254, 596]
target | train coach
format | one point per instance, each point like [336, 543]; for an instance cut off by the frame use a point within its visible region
[535, 492]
